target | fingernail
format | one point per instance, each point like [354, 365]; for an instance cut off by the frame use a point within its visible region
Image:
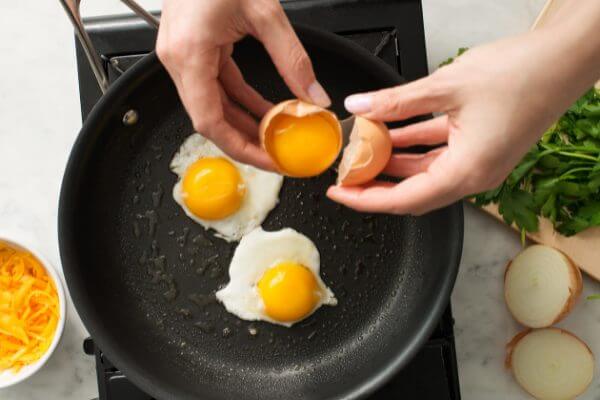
[358, 103]
[318, 95]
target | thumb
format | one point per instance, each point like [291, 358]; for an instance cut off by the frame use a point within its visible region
[290, 58]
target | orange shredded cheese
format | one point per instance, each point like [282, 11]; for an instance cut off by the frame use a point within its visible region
[29, 309]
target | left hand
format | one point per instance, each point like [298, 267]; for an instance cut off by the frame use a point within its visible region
[195, 42]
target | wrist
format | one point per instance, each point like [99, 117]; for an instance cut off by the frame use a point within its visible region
[573, 36]
[560, 66]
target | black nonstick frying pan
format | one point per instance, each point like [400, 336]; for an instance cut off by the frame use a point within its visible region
[142, 275]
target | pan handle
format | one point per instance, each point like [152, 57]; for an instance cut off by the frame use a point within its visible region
[72, 9]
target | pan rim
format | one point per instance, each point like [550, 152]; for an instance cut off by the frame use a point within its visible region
[106, 341]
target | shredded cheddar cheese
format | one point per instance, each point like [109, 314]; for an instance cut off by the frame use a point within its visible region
[29, 309]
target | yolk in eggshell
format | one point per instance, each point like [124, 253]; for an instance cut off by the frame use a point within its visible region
[289, 291]
[302, 146]
[213, 188]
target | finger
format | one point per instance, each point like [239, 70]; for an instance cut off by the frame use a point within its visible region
[236, 145]
[376, 194]
[225, 55]
[203, 101]
[274, 30]
[163, 53]
[430, 132]
[423, 196]
[415, 195]
[239, 119]
[403, 165]
[374, 197]
[240, 91]
[420, 97]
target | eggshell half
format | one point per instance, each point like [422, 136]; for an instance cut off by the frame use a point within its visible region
[296, 108]
[366, 154]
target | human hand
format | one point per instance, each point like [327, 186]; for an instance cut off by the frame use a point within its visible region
[496, 100]
[195, 42]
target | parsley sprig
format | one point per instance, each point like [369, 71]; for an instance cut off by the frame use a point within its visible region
[559, 178]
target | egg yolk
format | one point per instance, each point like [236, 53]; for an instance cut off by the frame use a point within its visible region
[289, 291]
[213, 188]
[302, 146]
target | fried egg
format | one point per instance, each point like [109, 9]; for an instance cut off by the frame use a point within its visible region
[274, 277]
[219, 193]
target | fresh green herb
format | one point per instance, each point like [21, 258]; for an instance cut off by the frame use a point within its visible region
[593, 297]
[559, 178]
[451, 59]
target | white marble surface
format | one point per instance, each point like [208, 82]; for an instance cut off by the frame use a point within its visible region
[40, 117]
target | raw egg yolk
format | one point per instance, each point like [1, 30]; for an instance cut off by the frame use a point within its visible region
[213, 188]
[289, 291]
[302, 146]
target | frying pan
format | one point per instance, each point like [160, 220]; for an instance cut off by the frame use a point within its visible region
[142, 275]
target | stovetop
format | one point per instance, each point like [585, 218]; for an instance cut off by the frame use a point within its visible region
[390, 29]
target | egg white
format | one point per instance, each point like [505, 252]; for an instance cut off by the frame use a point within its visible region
[262, 189]
[258, 251]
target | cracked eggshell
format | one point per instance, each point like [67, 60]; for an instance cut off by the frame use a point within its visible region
[367, 153]
[296, 108]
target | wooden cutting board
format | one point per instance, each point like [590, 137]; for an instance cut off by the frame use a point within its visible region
[583, 248]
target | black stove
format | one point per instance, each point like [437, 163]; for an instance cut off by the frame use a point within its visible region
[390, 29]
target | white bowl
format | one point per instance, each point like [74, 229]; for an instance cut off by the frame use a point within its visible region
[9, 378]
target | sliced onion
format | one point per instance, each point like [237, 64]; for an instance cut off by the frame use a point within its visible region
[550, 363]
[541, 286]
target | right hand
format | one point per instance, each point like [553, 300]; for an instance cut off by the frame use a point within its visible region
[195, 42]
[496, 101]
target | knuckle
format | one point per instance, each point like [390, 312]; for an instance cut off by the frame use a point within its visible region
[205, 124]
[265, 12]
[166, 50]
[200, 126]
[299, 61]
[441, 84]
[390, 102]
[162, 51]
[182, 48]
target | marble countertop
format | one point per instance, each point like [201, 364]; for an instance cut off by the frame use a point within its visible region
[39, 110]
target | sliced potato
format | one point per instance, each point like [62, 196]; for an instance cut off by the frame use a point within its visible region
[541, 286]
[550, 363]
